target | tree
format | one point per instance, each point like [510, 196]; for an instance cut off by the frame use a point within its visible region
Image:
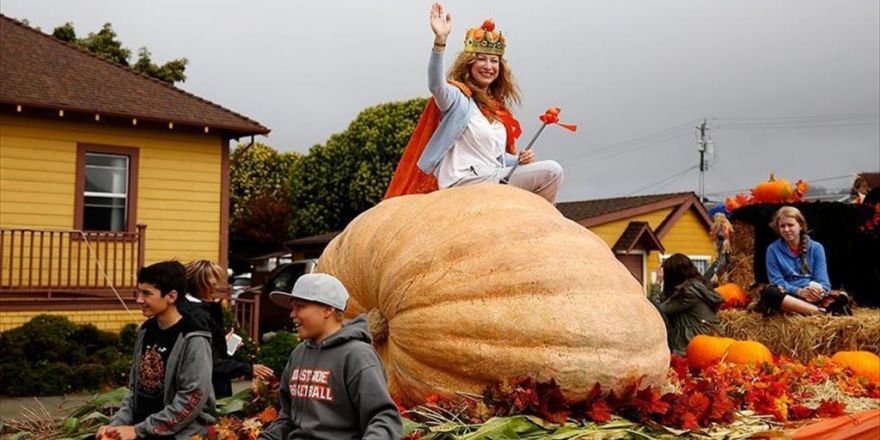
[259, 208]
[105, 44]
[349, 173]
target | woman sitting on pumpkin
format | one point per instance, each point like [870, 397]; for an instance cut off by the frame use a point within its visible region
[797, 271]
[466, 134]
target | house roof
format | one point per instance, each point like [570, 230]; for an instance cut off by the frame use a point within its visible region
[599, 211]
[638, 235]
[312, 240]
[43, 72]
[873, 178]
[269, 256]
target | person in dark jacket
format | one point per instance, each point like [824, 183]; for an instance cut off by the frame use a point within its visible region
[688, 306]
[334, 384]
[202, 277]
[169, 391]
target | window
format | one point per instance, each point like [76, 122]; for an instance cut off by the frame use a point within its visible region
[106, 188]
[702, 262]
[106, 192]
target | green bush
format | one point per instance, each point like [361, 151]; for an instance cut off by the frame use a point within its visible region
[45, 337]
[274, 352]
[56, 378]
[49, 355]
[91, 339]
[248, 350]
[92, 376]
[127, 338]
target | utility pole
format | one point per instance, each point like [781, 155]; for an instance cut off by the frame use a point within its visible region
[702, 147]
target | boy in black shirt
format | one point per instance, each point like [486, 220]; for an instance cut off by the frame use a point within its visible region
[169, 393]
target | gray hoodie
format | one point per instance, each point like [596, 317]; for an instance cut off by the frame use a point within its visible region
[336, 390]
[188, 394]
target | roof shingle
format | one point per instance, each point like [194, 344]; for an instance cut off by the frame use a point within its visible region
[41, 71]
[592, 208]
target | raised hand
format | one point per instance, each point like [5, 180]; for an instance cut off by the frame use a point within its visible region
[441, 23]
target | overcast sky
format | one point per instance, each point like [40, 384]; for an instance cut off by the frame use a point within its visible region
[788, 86]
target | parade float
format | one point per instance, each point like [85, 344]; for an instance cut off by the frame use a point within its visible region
[497, 318]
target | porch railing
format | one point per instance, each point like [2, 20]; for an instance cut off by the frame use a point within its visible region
[53, 260]
[247, 314]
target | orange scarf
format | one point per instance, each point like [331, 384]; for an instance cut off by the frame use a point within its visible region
[408, 178]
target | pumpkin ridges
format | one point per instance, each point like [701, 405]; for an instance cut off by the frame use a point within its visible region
[415, 325]
[703, 350]
[454, 234]
[484, 369]
[733, 294]
[408, 369]
[748, 352]
[773, 190]
[863, 363]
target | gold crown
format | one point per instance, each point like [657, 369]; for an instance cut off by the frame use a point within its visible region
[485, 39]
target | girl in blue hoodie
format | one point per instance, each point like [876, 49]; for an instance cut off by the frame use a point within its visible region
[797, 271]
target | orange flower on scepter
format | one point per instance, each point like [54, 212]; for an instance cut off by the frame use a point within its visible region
[551, 116]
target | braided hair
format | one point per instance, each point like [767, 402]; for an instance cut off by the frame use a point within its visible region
[802, 252]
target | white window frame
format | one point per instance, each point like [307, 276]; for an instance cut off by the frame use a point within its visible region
[124, 196]
[705, 259]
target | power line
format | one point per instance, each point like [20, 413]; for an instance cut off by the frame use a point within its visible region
[666, 180]
[809, 181]
[800, 117]
[794, 125]
[839, 120]
[675, 130]
[608, 154]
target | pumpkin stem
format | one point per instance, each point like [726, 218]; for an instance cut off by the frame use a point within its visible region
[378, 325]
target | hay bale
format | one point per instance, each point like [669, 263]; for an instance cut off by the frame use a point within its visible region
[804, 337]
[742, 255]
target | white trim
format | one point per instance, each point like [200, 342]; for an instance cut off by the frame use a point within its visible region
[126, 172]
[706, 259]
[632, 252]
[105, 195]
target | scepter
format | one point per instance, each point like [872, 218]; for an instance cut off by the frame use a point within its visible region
[551, 116]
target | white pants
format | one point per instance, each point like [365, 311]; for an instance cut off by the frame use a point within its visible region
[543, 178]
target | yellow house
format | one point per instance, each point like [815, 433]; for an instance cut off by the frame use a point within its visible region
[102, 171]
[643, 230]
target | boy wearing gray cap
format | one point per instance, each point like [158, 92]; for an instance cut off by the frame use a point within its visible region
[334, 384]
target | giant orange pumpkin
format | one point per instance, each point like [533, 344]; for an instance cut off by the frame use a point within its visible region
[748, 352]
[704, 350]
[773, 191]
[734, 295]
[467, 287]
[863, 363]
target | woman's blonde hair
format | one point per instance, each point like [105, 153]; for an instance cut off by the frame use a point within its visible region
[502, 93]
[857, 183]
[202, 277]
[792, 212]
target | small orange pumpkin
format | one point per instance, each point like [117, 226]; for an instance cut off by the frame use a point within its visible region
[772, 191]
[734, 295]
[731, 204]
[704, 350]
[863, 363]
[748, 352]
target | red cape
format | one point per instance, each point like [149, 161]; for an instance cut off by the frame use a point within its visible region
[408, 178]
